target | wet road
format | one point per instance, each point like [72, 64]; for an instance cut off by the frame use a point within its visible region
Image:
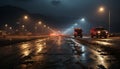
[107, 50]
[53, 53]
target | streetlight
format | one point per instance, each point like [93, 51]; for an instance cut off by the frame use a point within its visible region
[23, 26]
[102, 9]
[25, 30]
[35, 28]
[10, 28]
[44, 26]
[83, 19]
[16, 30]
[25, 17]
[6, 25]
[39, 22]
[76, 24]
[48, 27]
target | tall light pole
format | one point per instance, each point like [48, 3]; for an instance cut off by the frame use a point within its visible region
[109, 21]
[25, 18]
[102, 9]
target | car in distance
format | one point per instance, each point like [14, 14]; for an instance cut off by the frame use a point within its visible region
[78, 32]
[99, 32]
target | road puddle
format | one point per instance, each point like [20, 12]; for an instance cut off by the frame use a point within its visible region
[91, 58]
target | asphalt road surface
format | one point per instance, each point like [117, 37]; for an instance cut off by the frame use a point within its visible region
[55, 53]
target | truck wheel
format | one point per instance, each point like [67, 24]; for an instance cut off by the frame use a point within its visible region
[105, 36]
[92, 36]
[97, 36]
[81, 36]
[75, 36]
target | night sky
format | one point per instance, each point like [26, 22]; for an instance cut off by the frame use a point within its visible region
[67, 12]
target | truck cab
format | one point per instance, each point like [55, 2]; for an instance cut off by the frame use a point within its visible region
[78, 32]
[98, 32]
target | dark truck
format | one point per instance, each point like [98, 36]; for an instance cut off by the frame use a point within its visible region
[99, 32]
[78, 32]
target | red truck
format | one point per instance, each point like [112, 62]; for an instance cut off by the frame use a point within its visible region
[78, 32]
[99, 32]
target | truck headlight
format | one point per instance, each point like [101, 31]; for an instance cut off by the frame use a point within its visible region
[106, 31]
[98, 32]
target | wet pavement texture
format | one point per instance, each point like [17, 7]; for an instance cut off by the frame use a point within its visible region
[108, 49]
[55, 53]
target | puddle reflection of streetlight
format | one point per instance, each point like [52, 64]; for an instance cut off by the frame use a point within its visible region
[101, 59]
[59, 41]
[39, 47]
[25, 50]
[40, 44]
[83, 56]
[103, 43]
[23, 46]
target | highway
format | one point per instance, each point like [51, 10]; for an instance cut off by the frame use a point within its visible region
[59, 53]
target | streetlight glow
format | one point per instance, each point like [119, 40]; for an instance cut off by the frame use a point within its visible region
[76, 24]
[44, 25]
[39, 22]
[83, 19]
[101, 9]
[23, 26]
[10, 28]
[16, 30]
[25, 17]
[48, 27]
[6, 25]
[35, 27]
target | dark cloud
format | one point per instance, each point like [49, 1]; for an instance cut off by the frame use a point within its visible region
[65, 12]
[20, 0]
[56, 2]
[54, 7]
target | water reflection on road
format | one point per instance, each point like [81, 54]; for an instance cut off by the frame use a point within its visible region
[52, 53]
[27, 48]
[30, 52]
[91, 58]
[45, 53]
